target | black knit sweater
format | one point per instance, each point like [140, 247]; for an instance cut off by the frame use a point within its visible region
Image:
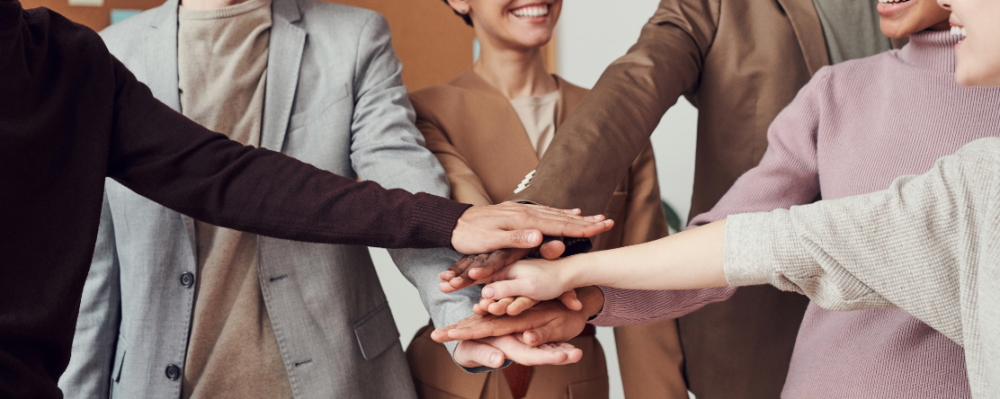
[71, 115]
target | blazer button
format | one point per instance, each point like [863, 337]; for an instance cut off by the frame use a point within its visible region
[187, 279]
[173, 372]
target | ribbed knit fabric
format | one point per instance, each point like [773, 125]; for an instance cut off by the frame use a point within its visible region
[917, 246]
[854, 128]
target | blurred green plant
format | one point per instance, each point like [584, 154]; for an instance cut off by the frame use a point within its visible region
[673, 219]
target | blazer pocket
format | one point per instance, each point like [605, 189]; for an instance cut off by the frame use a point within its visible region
[376, 331]
[116, 372]
[303, 118]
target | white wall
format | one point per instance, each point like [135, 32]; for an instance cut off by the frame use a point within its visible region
[592, 34]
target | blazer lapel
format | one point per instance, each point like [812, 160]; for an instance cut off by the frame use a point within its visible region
[805, 23]
[161, 55]
[161, 63]
[284, 59]
[510, 152]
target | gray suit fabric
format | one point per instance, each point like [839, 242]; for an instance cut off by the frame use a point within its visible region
[333, 81]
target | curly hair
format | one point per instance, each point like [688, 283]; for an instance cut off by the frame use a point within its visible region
[465, 17]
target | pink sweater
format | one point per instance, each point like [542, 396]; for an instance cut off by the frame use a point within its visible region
[851, 130]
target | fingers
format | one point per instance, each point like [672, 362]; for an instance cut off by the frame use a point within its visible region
[512, 288]
[552, 250]
[457, 269]
[475, 354]
[495, 261]
[519, 305]
[570, 300]
[499, 308]
[483, 229]
[549, 354]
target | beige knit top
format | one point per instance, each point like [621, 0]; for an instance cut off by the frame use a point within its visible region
[929, 244]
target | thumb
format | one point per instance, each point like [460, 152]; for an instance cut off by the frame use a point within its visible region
[474, 354]
[505, 289]
[535, 337]
[570, 300]
[519, 239]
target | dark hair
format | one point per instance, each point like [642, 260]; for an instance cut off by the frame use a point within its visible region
[465, 17]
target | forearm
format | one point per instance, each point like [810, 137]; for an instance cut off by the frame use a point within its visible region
[688, 260]
[161, 155]
[614, 121]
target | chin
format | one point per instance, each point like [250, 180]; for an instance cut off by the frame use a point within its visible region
[969, 77]
[893, 30]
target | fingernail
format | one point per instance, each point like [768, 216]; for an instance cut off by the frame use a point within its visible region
[442, 286]
[529, 336]
[495, 360]
[534, 236]
[488, 292]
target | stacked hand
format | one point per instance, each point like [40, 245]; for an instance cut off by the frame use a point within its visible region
[504, 234]
[484, 229]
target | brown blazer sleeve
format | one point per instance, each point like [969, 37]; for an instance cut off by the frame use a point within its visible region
[613, 123]
[644, 218]
[161, 155]
[466, 187]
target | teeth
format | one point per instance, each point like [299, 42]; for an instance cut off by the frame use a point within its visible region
[892, 1]
[532, 11]
[958, 31]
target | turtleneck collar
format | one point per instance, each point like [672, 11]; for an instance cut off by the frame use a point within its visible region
[933, 50]
[10, 14]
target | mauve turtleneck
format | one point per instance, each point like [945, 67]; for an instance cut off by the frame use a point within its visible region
[71, 114]
[852, 130]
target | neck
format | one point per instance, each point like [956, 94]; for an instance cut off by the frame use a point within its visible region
[516, 73]
[209, 4]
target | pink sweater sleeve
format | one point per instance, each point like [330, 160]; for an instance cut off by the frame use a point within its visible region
[786, 176]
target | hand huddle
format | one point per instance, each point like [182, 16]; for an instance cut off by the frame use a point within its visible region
[525, 302]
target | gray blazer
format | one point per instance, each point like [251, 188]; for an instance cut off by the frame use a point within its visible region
[333, 84]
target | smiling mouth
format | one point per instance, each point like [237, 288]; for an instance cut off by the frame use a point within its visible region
[885, 2]
[958, 31]
[531, 11]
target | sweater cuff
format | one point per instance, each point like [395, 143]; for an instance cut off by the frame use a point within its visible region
[433, 220]
[759, 247]
[612, 306]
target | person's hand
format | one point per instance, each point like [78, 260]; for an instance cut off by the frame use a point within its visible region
[514, 306]
[477, 269]
[550, 321]
[492, 352]
[484, 229]
[537, 279]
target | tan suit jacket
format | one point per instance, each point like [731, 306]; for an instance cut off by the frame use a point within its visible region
[740, 62]
[477, 135]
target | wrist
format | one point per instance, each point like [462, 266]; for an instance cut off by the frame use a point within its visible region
[593, 300]
[569, 274]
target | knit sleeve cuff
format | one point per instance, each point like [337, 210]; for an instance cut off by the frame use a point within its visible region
[758, 249]
[433, 219]
[612, 305]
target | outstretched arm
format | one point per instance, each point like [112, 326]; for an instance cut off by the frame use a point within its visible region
[163, 156]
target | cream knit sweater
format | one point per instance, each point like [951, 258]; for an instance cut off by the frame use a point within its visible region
[929, 244]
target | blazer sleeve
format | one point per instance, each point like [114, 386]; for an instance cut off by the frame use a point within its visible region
[388, 149]
[921, 245]
[161, 155]
[786, 176]
[644, 217]
[612, 124]
[466, 186]
[89, 373]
